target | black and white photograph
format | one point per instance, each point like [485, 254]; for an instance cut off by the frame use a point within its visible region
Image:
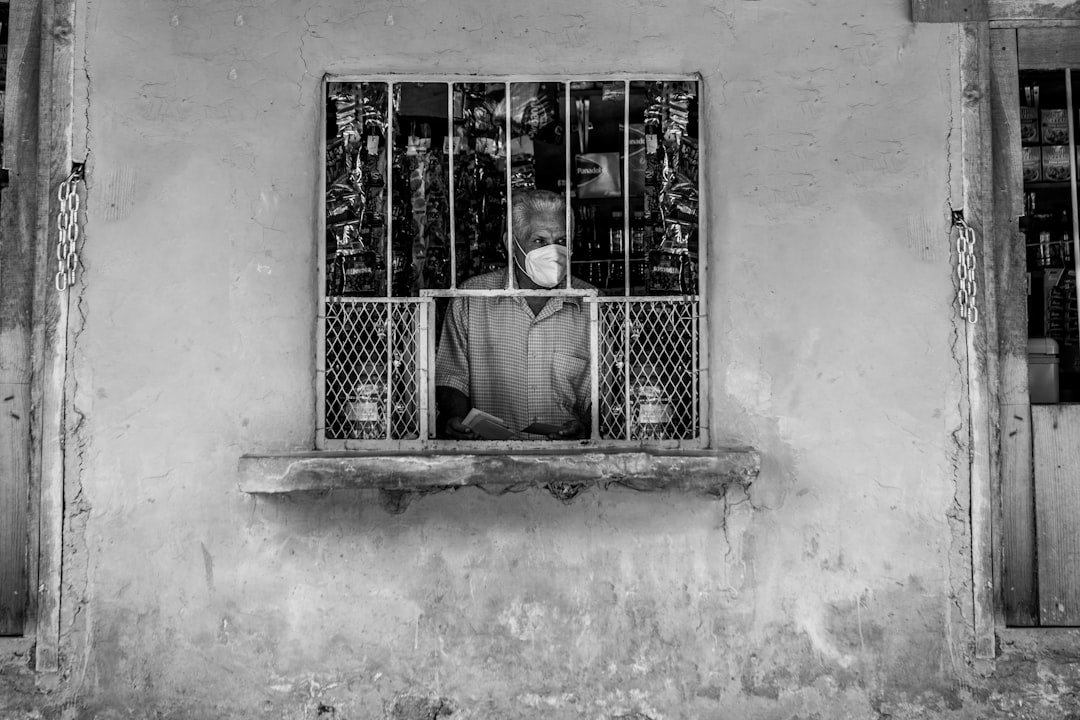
[506, 360]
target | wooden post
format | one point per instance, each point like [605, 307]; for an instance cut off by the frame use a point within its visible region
[50, 321]
[1015, 509]
[977, 203]
[18, 224]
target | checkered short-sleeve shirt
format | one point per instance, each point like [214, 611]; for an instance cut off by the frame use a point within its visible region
[521, 367]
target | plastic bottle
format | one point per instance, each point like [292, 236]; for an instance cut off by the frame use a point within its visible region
[616, 235]
[650, 409]
[367, 404]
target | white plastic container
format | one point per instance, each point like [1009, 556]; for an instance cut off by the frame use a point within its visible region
[1043, 367]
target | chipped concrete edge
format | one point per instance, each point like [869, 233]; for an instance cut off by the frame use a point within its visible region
[707, 472]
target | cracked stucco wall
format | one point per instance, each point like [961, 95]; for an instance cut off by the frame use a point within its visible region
[834, 588]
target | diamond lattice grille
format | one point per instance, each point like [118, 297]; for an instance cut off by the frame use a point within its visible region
[648, 369]
[371, 356]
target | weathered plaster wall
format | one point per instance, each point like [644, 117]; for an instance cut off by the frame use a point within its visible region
[835, 588]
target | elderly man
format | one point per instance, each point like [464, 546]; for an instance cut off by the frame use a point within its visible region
[522, 359]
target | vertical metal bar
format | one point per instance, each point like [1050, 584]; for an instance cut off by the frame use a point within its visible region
[450, 137]
[390, 319]
[320, 377]
[695, 375]
[389, 184]
[429, 313]
[391, 121]
[702, 236]
[1072, 175]
[320, 289]
[566, 180]
[626, 188]
[626, 363]
[509, 196]
[422, 368]
[594, 362]
[701, 306]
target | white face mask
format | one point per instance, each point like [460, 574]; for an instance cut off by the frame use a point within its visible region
[546, 266]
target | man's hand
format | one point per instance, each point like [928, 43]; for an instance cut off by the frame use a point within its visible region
[456, 430]
[570, 430]
[454, 405]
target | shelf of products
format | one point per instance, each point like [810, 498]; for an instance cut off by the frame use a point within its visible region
[1048, 132]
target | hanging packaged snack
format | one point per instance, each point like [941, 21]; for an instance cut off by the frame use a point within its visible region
[671, 189]
[362, 276]
[522, 172]
[688, 274]
[541, 109]
[665, 272]
[420, 140]
[637, 161]
[335, 276]
[480, 180]
[355, 168]
[598, 175]
[436, 270]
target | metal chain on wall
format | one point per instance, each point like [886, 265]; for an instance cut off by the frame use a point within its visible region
[965, 270]
[67, 229]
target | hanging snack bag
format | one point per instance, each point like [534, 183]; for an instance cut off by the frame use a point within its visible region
[598, 175]
[638, 160]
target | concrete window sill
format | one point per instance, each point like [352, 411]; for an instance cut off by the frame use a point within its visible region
[564, 473]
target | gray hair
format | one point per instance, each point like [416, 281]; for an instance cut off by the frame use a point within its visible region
[527, 204]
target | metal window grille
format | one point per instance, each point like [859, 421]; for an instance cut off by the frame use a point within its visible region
[648, 384]
[415, 201]
[371, 378]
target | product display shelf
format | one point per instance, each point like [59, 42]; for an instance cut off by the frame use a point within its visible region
[1049, 135]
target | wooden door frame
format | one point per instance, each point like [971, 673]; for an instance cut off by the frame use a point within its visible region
[1014, 511]
[997, 413]
[998, 428]
[971, 163]
[33, 347]
[1021, 46]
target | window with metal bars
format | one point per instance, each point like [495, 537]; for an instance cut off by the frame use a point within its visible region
[421, 177]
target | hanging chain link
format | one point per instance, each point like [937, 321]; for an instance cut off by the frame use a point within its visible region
[965, 271]
[67, 229]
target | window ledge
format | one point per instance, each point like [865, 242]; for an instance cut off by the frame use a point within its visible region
[564, 473]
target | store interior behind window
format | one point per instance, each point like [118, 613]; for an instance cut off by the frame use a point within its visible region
[1048, 131]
